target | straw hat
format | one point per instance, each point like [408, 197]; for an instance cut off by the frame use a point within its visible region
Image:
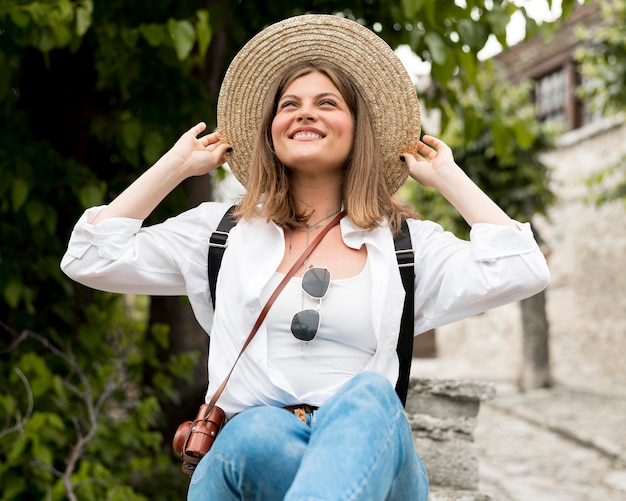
[358, 51]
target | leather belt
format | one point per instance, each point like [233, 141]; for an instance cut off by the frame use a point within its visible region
[301, 410]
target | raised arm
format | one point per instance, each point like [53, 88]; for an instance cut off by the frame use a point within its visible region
[435, 167]
[190, 156]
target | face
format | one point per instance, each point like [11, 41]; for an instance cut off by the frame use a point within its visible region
[313, 127]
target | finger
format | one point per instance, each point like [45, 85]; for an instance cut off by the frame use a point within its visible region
[222, 149]
[432, 141]
[225, 148]
[208, 139]
[405, 157]
[426, 150]
[417, 167]
[198, 128]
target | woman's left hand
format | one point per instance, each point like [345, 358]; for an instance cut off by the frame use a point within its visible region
[435, 159]
[435, 167]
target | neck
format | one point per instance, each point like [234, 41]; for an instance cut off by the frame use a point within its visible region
[318, 201]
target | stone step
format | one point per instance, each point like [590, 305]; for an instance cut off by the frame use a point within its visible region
[439, 494]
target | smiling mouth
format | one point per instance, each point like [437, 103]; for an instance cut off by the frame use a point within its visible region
[305, 136]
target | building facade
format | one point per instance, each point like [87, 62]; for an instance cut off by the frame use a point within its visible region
[586, 245]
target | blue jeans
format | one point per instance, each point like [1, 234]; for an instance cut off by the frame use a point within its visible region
[357, 446]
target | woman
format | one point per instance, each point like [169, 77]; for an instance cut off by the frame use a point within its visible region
[328, 122]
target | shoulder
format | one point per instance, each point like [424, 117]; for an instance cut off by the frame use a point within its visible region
[421, 228]
[205, 217]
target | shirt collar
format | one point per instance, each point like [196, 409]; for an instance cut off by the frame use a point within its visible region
[354, 236]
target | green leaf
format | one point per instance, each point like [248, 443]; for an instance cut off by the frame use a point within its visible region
[498, 19]
[84, 11]
[62, 32]
[153, 145]
[12, 293]
[51, 218]
[153, 33]
[17, 447]
[91, 195]
[524, 135]
[40, 379]
[443, 73]
[473, 34]
[203, 30]
[183, 35]
[130, 37]
[472, 125]
[35, 211]
[468, 65]
[19, 193]
[19, 17]
[161, 333]
[503, 141]
[131, 133]
[42, 453]
[410, 8]
[45, 40]
[567, 7]
[436, 46]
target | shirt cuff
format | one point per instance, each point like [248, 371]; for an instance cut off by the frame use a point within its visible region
[491, 241]
[108, 236]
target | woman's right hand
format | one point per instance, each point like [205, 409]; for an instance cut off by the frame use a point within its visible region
[190, 156]
[198, 156]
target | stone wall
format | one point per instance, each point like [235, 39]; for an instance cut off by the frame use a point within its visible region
[586, 300]
[443, 416]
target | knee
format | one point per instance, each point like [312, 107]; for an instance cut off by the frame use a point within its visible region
[259, 450]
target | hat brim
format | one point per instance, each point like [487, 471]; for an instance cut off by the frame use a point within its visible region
[365, 57]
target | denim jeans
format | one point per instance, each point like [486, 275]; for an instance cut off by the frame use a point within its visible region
[357, 446]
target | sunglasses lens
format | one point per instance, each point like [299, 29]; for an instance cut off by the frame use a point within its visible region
[305, 324]
[315, 282]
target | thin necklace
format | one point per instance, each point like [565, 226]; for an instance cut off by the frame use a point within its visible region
[313, 226]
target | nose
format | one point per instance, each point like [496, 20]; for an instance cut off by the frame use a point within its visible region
[306, 114]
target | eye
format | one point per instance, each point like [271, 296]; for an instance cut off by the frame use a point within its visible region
[287, 104]
[328, 102]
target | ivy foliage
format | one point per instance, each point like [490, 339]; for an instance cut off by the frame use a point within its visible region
[496, 140]
[78, 422]
[602, 64]
[90, 93]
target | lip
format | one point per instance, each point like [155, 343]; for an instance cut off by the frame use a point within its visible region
[307, 134]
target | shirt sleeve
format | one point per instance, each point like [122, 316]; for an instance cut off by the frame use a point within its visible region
[455, 279]
[119, 255]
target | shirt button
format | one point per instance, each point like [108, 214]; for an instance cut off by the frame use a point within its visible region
[258, 359]
[252, 310]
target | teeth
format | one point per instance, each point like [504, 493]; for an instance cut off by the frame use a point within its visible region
[307, 135]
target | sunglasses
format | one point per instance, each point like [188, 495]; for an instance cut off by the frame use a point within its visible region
[306, 323]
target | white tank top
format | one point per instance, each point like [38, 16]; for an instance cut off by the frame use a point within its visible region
[344, 343]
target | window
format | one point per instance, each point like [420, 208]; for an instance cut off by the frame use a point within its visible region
[556, 100]
[589, 115]
[551, 97]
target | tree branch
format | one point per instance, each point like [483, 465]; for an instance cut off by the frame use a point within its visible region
[20, 422]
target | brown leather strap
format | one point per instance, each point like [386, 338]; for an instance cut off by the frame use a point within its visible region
[308, 409]
[270, 301]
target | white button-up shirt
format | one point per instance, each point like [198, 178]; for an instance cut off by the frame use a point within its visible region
[454, 279]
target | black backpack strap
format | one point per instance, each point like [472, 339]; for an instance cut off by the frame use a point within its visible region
[406, 259]
[218, 241]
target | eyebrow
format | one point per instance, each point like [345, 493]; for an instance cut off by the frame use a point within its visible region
[318, 96]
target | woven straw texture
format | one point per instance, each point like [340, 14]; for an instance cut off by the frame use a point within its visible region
[363, 55]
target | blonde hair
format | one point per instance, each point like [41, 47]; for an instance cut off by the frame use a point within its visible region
[366, 196]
